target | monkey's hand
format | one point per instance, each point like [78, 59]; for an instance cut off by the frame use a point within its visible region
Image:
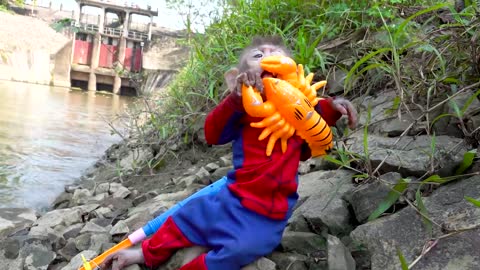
[123, 258]
[345, 107]
[249, 78]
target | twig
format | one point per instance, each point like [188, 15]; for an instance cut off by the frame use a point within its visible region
[422, 214]
[113, 127]
[431, 244]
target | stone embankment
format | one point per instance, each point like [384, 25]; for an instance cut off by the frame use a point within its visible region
[329, 228]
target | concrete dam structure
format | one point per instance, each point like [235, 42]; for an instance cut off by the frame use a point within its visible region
[101, 45]
[109, 47]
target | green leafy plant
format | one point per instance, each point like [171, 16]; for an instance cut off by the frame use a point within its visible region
[473, 201]
[390, 199]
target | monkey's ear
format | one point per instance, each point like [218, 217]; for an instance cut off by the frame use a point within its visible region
[231, 78]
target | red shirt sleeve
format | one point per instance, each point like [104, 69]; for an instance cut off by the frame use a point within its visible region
[325, 108]
[221, 123]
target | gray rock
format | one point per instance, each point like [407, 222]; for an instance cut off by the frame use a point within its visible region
[187, 180]
[81, 196]
[15, 219]
[91, 227]
[261, 264]
[76, 262]
[325, 215]
[411, 155]
[211, 167]
[97, 241]
[325, 183]
[366, 198]
[226, 161]
[135, 158]
[405, 231]
[69, 250]
[302, 242]
[339, 258]
[220, 172]
[202, 173]
[37, 257]
[120, 228]
[289, 261]
[321, 206]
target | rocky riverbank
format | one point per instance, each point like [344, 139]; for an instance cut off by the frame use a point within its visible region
[329, 228]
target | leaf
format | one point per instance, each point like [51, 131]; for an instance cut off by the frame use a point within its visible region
[333, 160]
[403, 262]
[390, 199]
[473, 201]
[455, 108]
[466, 162]
[361, 176]
[469, 101]
[395, 106]
[348, 78]
[402, 26]
[421, 207]
[434, 179]
[440, 180]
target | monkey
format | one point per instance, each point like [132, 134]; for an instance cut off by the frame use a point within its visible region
[249, 72]
[245, 219]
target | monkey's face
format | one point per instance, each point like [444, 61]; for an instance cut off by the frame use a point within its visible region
[255, 56]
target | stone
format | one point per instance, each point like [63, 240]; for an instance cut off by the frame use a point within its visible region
[304, 243]
[211, 167]
[14, 219]
[367, 197]
[81, 196]
[406, 231]
[37, 257]
[339, 258]
[411, 156]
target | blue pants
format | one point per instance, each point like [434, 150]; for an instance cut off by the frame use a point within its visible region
[235, 235]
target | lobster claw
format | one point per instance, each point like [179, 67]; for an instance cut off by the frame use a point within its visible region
[279, 64]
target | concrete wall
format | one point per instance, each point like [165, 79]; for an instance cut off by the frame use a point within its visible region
[31, 66]
[37, 66]
[62, 67]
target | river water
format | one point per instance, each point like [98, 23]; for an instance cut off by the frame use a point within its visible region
[48, 137]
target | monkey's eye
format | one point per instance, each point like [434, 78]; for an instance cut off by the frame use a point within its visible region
[258, 55]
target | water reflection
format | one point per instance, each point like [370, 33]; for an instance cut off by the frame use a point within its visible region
[48, 137]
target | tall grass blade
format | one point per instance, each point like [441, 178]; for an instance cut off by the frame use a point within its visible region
[466, 162]
[390, 199]
[403, 262]
[473, 201]
[421, 207]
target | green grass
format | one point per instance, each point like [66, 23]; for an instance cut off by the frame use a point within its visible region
[402, 45]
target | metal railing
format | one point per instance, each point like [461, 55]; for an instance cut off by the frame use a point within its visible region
[112, 31]
[93, 28]
[137, 35]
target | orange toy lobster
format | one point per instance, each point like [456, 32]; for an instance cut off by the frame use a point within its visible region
[289, 106]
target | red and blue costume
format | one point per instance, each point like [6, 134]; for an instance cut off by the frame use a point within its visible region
[245, 220]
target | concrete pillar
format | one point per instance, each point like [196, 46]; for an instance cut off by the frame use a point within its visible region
[101, 21]
[92, 80]
[122, 45]
[150, 28]
[126, 24]
[117, 84]
[80, 15]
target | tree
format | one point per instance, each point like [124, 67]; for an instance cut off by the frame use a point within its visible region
[6, 3]
[196, 14]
